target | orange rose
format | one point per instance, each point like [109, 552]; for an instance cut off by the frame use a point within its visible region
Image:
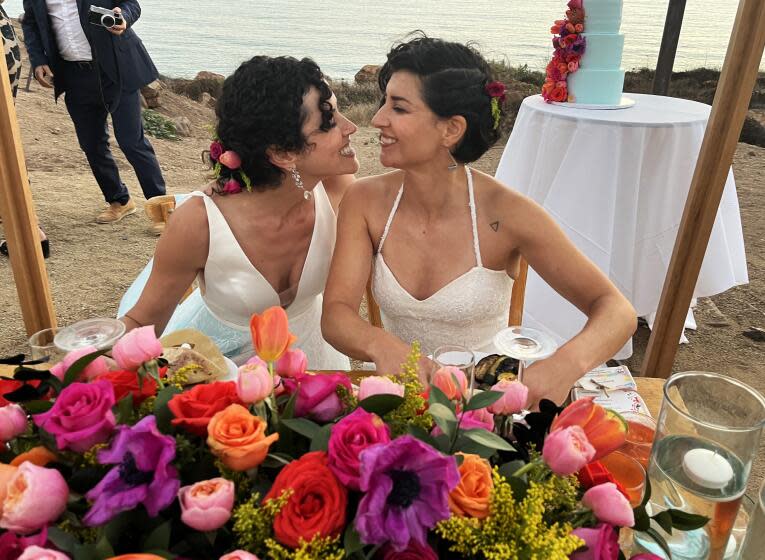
[39, 456]
[271, 336]
[238, 438]
[6, 473]
[471, 496]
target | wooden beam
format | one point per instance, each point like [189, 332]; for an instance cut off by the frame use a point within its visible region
[672, 26]
[731, 102]
[20, 220]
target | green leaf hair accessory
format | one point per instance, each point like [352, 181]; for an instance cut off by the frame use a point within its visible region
[496, 90]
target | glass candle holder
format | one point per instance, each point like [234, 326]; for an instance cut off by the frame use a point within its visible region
[42, 347]
[707, 437]
[754, 542]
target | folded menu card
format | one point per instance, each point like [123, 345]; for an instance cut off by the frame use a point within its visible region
[612, 387]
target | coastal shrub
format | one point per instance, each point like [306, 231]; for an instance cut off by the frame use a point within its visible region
[361, 113]
[159, 126]
[194, 89]
[350, 94]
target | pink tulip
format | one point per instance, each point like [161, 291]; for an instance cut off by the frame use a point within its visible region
[239, 555]
[375, 385]
[232, 186]
[37, 553]
[136, 347]
[567, 450]
[609, 504]
[254, 383]
[13, 421]
[206, 505]
[94, 369]
[293, 363]
[35, 497]
[258, 361]
[515, 395]
[230, 159]
[451, 381]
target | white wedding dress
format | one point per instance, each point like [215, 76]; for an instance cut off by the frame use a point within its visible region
[467, 311]
[231, 289]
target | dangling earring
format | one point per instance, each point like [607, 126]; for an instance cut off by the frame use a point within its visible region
[308, 195]
[453, 165]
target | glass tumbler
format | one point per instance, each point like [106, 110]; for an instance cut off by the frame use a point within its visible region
[459, 357]
[42, 347]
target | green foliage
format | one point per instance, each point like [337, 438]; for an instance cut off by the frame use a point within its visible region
[159, 126]
[410, 412]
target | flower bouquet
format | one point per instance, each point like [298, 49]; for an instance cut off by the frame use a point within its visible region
[100, 463]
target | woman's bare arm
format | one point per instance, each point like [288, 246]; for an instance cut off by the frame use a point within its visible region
[180, 254]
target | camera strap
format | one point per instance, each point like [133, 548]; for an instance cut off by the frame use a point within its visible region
[110, 108]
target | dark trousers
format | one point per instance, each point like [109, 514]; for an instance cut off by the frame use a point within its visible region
[86, 98]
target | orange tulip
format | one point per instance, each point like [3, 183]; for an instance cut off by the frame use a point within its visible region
[605, 429]
[39, 456]
[270, 333]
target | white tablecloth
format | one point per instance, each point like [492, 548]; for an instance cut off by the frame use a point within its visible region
[616, 181]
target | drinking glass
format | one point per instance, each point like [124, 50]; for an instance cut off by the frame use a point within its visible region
[100, 332]
[707, 437]
[754, 543]
[459, 357]
[42, 346]
[641, 429]
[628, 472]
[525, 345]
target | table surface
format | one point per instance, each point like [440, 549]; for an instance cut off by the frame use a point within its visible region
[648, 111]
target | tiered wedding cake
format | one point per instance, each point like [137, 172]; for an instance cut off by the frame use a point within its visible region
[600, 78]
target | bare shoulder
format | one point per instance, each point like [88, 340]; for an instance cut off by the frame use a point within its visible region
[368, 192]
[497, 198]
[187, 228]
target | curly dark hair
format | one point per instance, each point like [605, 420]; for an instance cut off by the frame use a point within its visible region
[454, 77]
[261, 107]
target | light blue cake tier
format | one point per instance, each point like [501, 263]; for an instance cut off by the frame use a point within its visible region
[602, 16]
[602, 51]
[596, 87]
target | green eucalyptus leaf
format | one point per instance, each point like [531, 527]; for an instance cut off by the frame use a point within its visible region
[487, 438]
[642, 521]
[421, 433]
[647, 493]
[351, 540]
[508, 469]
[654, 534]
[664, 519]
[686, 521]
[79, 365]
[302, 426]
[465, 445]
[381, 404]
[63, 541]
[437, 396]
[444, 418]
[37, 407]
[289, 408]
[104, 548]
[320, 442]
[162, 412]
[159, 538]
[519, 487]
[125, 409]
[483, 399]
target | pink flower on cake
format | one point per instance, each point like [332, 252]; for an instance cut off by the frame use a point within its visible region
[575, 4]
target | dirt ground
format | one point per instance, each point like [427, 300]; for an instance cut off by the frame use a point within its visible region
[91, 265]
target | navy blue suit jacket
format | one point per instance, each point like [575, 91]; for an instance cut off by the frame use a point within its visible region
[122, 58]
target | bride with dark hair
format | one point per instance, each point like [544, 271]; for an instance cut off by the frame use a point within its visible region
[283, 161]
[443, 242]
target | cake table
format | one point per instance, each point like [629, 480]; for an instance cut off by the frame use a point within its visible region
[616, 181]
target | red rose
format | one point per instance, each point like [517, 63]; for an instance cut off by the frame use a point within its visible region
[559, 93]
[194, 409]
[8, 385]
[317, 504]
[126, 382]
[496, 89]
[413, 551]
[216, 149]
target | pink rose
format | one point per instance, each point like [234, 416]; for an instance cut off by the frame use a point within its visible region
[230, 159]
[239, 555]
[377, 385]
[216, 149]
[257, 360]
[567, 450]
[293, 363]
[602, 543]
[471, 420]
[254, 383]
[350, 436]
[232, 186]
[37, 553]
[136, 347]
[609, 504]
[94, 369]
[36, 496]
[13, 421]
[318, 395]
[206, 505]
[451, 381]
[515, 395]
[81, 416]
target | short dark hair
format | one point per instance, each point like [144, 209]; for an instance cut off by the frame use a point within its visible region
[261, 107]
[454, 78]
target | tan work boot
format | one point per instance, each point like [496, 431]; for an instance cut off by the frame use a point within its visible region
[116, 212]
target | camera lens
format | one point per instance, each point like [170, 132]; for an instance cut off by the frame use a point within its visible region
[107, 21]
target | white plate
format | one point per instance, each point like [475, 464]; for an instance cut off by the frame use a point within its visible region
[624, 103]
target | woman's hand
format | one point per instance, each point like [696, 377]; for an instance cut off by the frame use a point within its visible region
[548, 379]
[393, 353]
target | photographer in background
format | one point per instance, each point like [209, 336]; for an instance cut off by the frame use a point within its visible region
[86, 50]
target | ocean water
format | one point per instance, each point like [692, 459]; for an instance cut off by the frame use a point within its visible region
[216, 35]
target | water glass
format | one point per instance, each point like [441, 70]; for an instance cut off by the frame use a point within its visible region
[707, 437]
[42, 347]
[525, 345]
[457, 356]
[641, 429]
[754, 543]
[628, 472]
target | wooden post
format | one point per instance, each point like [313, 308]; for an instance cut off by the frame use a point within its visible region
[519, 295]
[669, 39]
[20, 221]
[734, 91]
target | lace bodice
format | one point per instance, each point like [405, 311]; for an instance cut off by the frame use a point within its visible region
[468, 311]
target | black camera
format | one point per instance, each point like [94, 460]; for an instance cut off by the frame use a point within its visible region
[104, 17]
